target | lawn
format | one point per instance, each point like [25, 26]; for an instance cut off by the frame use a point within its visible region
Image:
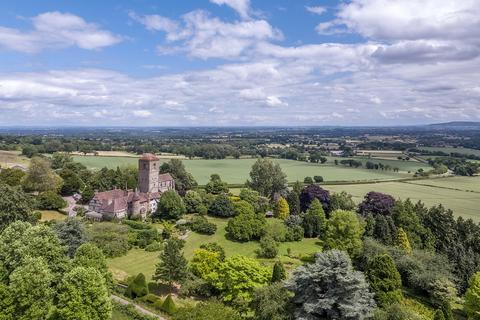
[236, 171]
[450, 192]
[48, 215]
[138, 260]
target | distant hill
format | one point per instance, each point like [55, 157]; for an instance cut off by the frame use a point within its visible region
[469, 124]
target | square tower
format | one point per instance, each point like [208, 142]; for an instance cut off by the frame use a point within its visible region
[148, 171]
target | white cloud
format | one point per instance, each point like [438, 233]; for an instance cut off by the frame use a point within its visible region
[142, 113]
[274, 101]
[53, 30]
[317, 10]
[241, 6]
[203, 36]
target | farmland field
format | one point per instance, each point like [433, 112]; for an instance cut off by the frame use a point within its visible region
[453, 193]
[139, 260]
[10, 158]
[236, 170]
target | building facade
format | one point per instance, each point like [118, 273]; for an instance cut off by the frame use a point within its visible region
[119, 204]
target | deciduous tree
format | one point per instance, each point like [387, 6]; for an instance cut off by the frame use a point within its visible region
[344, 232]
[267, 178]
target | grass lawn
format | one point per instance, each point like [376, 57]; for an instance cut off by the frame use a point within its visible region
[237, 170]
[138, 260]
[48, 215]
[432, 192]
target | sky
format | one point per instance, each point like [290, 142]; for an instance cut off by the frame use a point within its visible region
[239, 62]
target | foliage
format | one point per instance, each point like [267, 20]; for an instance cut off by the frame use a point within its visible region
[154, 246]
[259, 203]
[376, 203]
[344, 232]
[41, 177]
[312, 192]
[243, 207]
[238, 277]
[50, 200]
[169, 305]
[293, 201]
[342, 201]
[72, 182]
[438, 315]
[137, 287]
[381, 228]
[447, 310]
[184, 180]
[111, 238]
[30, 285]
[205, 264]
[246, 227]
[278, 273]
[268, 247]
[222, 206]
[267, 178]
[330, 288]
[12, 177]
[216, 185]
[384, 279]
[170, 206]
[271, 303]
[314, 220]
[90, 256]
[281, 209]
[14, 205]
[277, 230]
[402, 241]
[472, 298]
[173, 265]
[83, 295]
[193, 201]
[201, 225]
[207, 310]
[214, 247]
[71, 233]
[308, 180]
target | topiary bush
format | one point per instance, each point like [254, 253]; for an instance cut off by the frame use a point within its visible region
[138, 287]
[201, 225]
[169, 305]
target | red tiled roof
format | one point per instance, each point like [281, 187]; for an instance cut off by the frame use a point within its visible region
[149, 157]
[164, 177]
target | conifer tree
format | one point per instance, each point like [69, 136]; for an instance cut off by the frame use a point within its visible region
[173, 265]
[472, 298]
[447, 310]
[278, 273]
[438, 315]
[402, 241]
[281, 209]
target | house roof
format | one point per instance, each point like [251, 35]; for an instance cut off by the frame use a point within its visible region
[164, 177]
[149, 157]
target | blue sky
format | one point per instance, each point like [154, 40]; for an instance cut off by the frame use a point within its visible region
[239, 62]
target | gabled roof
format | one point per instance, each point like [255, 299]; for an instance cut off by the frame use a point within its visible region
[164, 177]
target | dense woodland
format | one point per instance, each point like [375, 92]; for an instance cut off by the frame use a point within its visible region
[385, 258]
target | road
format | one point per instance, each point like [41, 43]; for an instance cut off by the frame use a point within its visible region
[139, 308]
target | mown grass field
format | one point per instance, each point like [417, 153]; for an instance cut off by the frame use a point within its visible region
[48, 215]
[461, 194]
[139, 260]
[236, 171]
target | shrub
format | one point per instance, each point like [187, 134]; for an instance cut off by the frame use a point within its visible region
[294, 233]
[384, 279]
[268, 247]
[111, 238]
[138, 287]
[281, 209]
[222, 206]
[246, 227]
[308, 180]
[201, 225]
[50, 200]
[207, 310]
[277, 230]
[312, 192]
[170, 206]
[193, 201]
[278, 273]
[169, 305]
[318, 179]
[243, 207]
[154, 246]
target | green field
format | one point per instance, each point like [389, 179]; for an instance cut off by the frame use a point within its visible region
[49, 215]
[236, 171]
[138, 260]
[453, 150]
[461, 194]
